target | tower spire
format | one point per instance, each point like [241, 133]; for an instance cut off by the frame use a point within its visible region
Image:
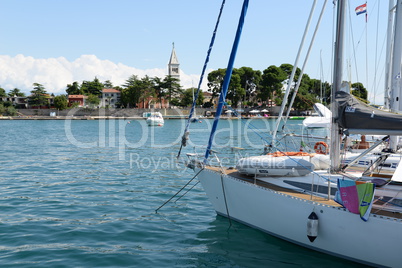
[173, 65]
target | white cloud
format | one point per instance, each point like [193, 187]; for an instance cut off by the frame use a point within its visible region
[55, 73]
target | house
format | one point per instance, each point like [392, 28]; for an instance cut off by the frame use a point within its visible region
[153, 103]
[110, 97]
[18, 102]
[80, 99]
[208, 98]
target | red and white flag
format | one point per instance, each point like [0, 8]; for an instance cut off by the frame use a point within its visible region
[361, 9]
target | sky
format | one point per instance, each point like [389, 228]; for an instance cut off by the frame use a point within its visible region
[56, 42]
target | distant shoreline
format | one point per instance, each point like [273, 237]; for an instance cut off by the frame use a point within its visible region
[115, 118]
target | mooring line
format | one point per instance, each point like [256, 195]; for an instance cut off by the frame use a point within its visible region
[156, 211]
[187, 191]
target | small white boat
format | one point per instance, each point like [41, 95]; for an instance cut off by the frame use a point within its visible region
[154, 119]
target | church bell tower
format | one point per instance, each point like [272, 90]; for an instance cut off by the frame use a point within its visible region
[173, 65]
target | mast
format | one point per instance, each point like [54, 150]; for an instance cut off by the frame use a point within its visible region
[396, 94]
[388, 60]
[396, 90]
[336, 85]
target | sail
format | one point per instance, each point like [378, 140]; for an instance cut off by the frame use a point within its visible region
[356, 117]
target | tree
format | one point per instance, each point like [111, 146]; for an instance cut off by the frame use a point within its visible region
[235, 91]
[16, 93]
[359, 91]
[304, 100]
[171, 87]
[92, 87]
[321, 89]
[2, 93]
[305, 97]
[175, 102]
[243, 83]
[130, 94]
[271, 83]
[108, 84]
[93, 101]
[74, 89]
[159, 90]
[215, 81]
[7, 103]
[60, 102]
[11, 111]
[38, 96]
[249, 80]
[187, 98]
[146, 89]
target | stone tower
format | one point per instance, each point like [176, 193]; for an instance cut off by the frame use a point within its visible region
[173, 65]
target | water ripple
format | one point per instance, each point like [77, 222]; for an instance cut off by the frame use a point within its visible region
[67, 206]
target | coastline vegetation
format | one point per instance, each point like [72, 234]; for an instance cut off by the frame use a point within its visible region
[248, 88]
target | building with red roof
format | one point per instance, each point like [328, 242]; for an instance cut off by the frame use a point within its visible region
[110, 97]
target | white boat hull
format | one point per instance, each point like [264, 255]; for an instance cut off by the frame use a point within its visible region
[340, 232]
[155, 121]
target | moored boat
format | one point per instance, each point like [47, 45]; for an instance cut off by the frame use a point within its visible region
[351, 215]
[154, 119]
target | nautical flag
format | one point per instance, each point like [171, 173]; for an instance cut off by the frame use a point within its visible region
[361, 9]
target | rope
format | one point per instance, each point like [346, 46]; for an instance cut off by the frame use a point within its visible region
[187, 191]
[182, 188]
[226, 81]
[186, 133]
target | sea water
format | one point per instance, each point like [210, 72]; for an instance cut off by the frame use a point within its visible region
[84, 193]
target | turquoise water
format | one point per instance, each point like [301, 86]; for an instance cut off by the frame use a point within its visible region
[84, 194]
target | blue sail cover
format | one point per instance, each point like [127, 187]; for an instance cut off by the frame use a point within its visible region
[226, 80]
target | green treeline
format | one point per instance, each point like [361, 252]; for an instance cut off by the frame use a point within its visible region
[247, 87]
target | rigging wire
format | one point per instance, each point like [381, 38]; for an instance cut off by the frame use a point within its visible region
[357, 45]
[296, 89]
[376, 51]
[226, 81]
[186, 133]
[292, 75]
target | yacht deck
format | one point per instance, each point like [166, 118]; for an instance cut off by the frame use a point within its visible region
[379, 208]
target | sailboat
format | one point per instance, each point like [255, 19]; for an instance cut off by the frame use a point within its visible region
[352, 216]
[194, 118]
[323, 120]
